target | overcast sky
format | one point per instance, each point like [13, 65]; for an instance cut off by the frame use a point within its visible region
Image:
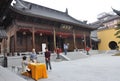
[81, 9]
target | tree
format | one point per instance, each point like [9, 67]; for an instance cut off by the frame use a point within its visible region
[117, 34]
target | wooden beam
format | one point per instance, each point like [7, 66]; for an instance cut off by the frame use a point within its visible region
[74, 39]
[84, 41]
[33, 37]
[54, 37]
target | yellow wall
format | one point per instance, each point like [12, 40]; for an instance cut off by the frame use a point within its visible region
[106, 36]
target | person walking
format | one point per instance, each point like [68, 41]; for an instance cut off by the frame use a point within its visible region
[47, 59]
[65, 48]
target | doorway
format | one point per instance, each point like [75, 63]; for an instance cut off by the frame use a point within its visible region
[43, 47]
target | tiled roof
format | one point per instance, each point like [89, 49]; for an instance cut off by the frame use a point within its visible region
[4, 4]
[111, 18]
[99, 23]
[44, 12]
[3, 34]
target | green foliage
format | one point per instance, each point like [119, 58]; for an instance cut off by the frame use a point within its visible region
[117, 34]
[118, 26]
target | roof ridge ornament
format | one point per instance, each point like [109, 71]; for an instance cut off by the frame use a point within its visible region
[20, 2]
[66, 11]
[116, 11]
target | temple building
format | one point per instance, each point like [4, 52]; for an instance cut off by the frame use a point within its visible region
[31, 26]
[106, 24]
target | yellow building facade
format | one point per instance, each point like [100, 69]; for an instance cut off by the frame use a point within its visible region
[107, 39]
[106, 31]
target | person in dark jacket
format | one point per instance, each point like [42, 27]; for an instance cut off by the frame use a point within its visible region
[47, 59]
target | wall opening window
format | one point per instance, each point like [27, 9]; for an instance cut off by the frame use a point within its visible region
[112, 45]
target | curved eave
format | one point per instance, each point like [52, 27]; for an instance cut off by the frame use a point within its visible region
[49, 18]
[4, 4]
[116, 11]
[82, 24]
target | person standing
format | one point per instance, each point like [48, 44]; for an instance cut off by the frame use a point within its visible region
[65, 48]
[58, 50]
[33, 56]
[47, 59]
